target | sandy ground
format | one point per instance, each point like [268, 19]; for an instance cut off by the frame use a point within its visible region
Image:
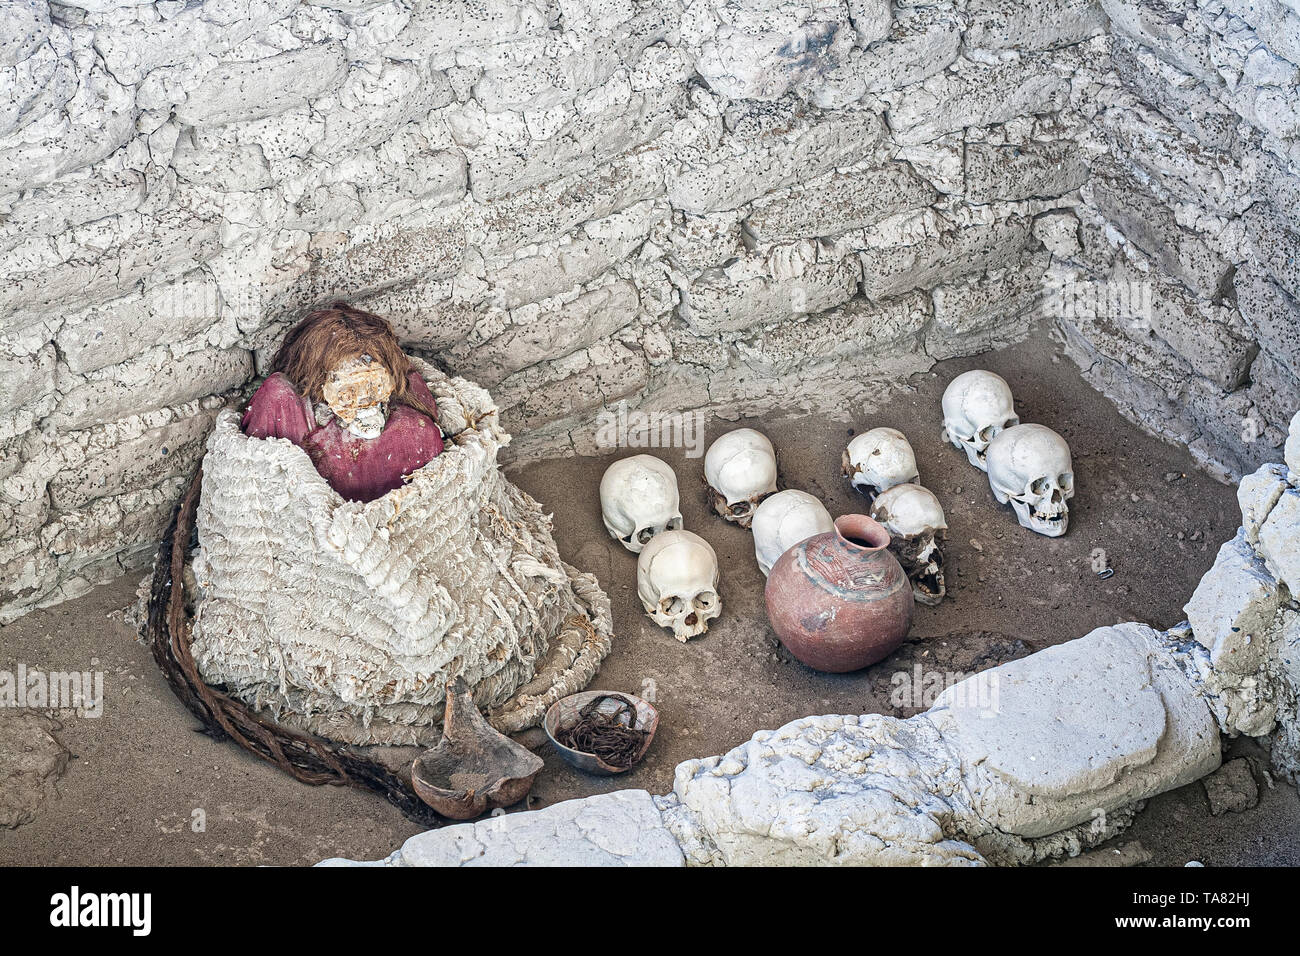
[141, 771]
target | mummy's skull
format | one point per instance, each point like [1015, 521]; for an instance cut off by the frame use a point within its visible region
[740, 468]
[1029, 466]
[677, 581]
[877, 460]
[914, 519]
[783, 520]
[638, 500]
[357, 392]
[977, 405]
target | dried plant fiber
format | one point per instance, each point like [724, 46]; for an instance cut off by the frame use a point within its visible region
[349, 619]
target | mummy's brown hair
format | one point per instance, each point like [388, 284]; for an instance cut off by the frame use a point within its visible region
[328, 337]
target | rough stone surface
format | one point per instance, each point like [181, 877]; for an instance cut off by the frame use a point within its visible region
[1070, 719]
[1235, 607]
[611, 829]
[1293, 451]
[1279, 540]
[1199, 126]
[1231, 788]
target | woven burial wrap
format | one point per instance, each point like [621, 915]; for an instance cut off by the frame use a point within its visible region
[349, 620]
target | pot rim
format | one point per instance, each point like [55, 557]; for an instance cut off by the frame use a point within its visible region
[864, 528]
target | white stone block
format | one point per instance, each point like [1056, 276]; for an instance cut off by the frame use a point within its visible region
[239, 91]
[920, 43]
[23, 28]
[26, 378]
[451, 26]
[41, 84]
[871, 19]
[1233, 610]
[1034, 25]
[97, 121]
[755, 161]
[1291, 452]
[939, 252]
[838, 202]
[132, 50]
[1257, 493]
[622, 828]
[114, 332]
[1013, 171]
[1047, 741]
[976, 96]
[761, 50]
[1279, 540]
[143, 384]
[1273, 316]
[797, 279]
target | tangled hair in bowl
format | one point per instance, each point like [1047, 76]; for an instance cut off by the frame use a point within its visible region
[328, 337]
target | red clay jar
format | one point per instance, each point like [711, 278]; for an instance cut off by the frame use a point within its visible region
[840, 600]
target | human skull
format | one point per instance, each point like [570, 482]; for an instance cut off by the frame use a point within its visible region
[877, 460]
[914, 519]
[677, 581]
[740, 468]
[357, 392]
[638, 500]
[977, 405]
[1029, 466]
[783, 520]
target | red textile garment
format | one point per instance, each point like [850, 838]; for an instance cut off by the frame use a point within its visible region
[359, 469]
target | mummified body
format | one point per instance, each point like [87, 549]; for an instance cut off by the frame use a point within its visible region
[335, 380]
[343, 593]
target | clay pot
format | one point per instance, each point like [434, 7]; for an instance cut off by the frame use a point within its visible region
[840, 600]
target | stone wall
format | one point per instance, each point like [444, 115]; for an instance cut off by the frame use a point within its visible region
[735, 205]
[1193, 193]
[728, 205]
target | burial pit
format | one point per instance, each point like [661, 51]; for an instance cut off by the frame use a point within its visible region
[805, 220]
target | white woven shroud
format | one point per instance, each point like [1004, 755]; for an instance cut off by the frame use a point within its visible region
[349, 620]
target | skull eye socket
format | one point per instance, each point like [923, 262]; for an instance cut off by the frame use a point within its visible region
[705, 601]
[740, 508]
[672, 606]
[644, 535]
[1066, 482]
[675, 524]
[987, 433]
[1040, 486]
